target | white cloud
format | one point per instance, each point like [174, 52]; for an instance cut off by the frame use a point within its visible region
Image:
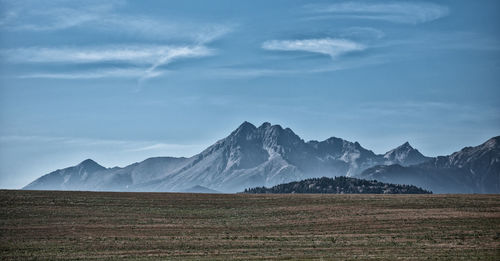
[54, 16]
[398, 12]
[163, 146]
[133, 54]
[328, 46]
[149, 56]
[103, 73]
[188, 39]
[175, 53]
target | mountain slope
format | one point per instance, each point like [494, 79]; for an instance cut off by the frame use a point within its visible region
[339, 185]
[470, 170]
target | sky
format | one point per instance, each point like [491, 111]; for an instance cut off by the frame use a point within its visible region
[121, 81]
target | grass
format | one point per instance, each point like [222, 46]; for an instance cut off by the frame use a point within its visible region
[149, 226]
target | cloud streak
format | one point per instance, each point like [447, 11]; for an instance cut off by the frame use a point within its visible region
[327, 46]
[397, 12]
[187, 39]
[150, 57]
[131, 54]
[48, 17]
[103, 73]
[121, 145]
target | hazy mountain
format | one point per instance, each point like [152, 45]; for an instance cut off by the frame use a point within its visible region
[339, 185]
[249, 157]
[67, 179]
[89, 175]
[470, 170]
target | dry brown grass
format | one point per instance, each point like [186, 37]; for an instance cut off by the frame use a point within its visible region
[99, 225]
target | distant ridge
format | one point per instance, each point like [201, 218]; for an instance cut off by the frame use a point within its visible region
[470, 170]
[338, 185]
[268, 155]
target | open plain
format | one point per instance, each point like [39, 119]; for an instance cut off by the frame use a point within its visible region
[140, 226]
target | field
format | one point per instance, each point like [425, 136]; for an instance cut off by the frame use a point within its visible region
[141, 226]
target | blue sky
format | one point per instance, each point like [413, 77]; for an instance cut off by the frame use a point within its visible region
[120, 81]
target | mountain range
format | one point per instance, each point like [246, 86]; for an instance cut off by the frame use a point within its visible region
[269, 155]
[470, 170]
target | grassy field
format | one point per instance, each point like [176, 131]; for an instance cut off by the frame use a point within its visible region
[139, 226]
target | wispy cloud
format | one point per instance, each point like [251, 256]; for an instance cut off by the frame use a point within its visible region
[162, 146]
[53, 15]
[187, 39]
[104, 17]
[149, 56]
[121, 145]
[97, 74]
[132, 54]
[328, 46]
[398, 12]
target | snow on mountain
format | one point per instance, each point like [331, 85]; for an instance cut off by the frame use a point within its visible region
[249, 157]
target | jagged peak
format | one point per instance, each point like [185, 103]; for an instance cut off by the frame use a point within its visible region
[269, 128]
[246, 125]
[265, 125]
[403, 147]
[244, 128]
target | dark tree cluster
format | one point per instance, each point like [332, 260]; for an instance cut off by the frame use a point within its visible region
[339, 185]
